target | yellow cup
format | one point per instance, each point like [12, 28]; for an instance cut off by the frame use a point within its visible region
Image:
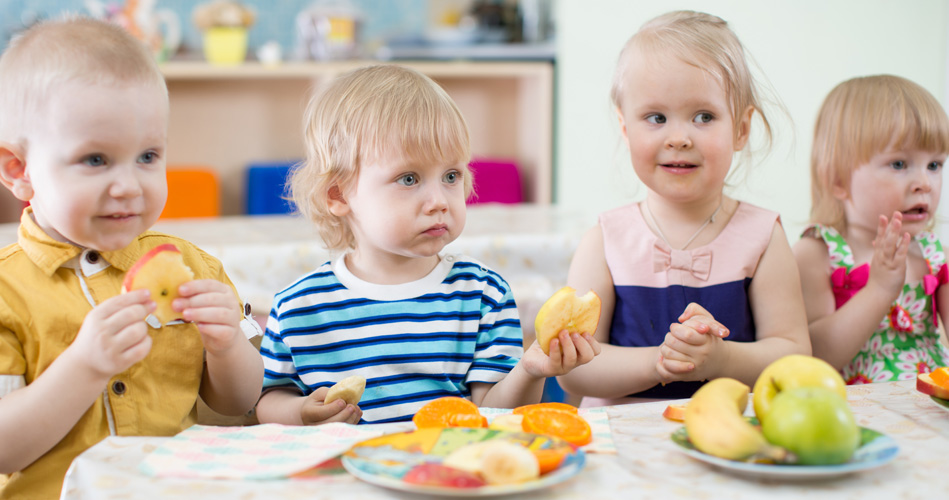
[225, 46]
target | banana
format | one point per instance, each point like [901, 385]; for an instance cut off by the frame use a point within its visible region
[715, 423]
[349, 389]
[508, 463]
[508, 422]
[496, 461]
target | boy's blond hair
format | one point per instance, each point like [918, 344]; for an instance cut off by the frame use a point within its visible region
[74, 49]
[701, 40]
[378, 112]
[860, 118]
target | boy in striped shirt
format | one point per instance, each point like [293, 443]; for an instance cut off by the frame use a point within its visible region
[385, 181]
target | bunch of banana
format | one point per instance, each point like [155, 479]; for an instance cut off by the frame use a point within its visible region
[715, 423]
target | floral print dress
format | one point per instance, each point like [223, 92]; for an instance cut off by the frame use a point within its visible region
[906, 341]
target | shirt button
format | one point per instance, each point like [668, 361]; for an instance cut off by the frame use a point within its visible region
[247, 309]
[92, 257]
[118, 387]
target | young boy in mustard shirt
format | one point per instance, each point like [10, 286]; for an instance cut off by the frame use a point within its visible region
[83, 126]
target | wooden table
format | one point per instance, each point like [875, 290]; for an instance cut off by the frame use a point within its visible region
[648, 464]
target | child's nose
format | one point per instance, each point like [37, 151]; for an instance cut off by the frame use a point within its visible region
[436, 200]
[125, 184]
[678, 138]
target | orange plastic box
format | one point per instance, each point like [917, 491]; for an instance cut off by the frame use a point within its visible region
[193, 191]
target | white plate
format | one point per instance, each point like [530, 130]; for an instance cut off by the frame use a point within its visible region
[876, 449]
[383, 461]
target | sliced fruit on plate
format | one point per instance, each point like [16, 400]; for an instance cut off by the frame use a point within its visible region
[438, 413]
[467, 420]
[675, 412]
[926, 385]
[508, 422]
[565, 425]
[520, 410]
[550, 458]
[941, 377]
[432, 474]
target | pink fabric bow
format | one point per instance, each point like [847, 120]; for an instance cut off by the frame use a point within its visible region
[846, 285]
[932, 281]
[697, 262]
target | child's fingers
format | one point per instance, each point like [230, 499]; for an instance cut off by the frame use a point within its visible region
[315, 412]
[587, 346]
[686, 334]
[676, 367]
[197, 287]
[691, 310]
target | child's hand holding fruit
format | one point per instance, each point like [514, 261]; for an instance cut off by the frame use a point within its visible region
[690, 349]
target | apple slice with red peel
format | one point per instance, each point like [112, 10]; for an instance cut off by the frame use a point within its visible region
[162, 270]
[564, 310]
[926, 385]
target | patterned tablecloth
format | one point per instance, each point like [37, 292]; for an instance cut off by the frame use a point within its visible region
[647, 464]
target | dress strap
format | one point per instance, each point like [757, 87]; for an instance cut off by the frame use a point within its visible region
[840, 253]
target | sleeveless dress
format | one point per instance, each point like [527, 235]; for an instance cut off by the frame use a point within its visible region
[906, 341]
[654, 283]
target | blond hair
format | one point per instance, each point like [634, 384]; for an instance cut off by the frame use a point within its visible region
[367, 114]
[73, 49]
[860, 118]
[701, 40]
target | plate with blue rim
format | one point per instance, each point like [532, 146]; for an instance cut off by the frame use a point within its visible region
[876, 449]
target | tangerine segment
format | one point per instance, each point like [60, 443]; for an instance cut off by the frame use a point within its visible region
[520, 410]
[437, 413]
[941, 377]
[563, 424]
[467, 420]
[550, 458]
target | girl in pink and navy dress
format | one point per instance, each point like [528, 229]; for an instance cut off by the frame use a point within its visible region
[872, 272]
[694, 284]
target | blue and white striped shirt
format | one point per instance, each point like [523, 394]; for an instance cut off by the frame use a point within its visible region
[413, 342]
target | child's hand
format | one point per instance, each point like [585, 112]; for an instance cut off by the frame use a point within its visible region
[214, 308]
[314, 412]
[890, 248]
[690, 349]
[114, 335]
[567, 352]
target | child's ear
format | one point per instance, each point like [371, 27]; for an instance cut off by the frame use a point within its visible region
[744, 128]
[336, 202]
[622, 126]
[13, 171]
[839, 191]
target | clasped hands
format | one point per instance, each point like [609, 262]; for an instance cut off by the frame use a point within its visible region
[693, 348]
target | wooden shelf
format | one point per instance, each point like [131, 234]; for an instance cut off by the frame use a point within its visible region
[230, 116]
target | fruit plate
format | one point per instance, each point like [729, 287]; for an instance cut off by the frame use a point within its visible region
[943, 403]
[875, 449]
[385, 460]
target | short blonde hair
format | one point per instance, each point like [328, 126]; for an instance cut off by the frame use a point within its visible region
[860, 118]
[365, 115]
[74, 49]
[701, 40]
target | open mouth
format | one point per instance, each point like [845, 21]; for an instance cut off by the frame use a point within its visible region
[678, 165]
[916, 213]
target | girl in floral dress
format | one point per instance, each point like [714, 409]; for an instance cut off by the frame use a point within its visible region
[872, 270]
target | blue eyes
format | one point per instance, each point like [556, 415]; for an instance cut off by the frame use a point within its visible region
[412, 179]
[94, 160]
[99, 160]
[934, 165]
[901, 165]
[659, 119]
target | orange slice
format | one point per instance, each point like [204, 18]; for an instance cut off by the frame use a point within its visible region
[550, 458]
[566, 425]
[675, 412]
[467, 420]
[520, 410]
[438, 413]
[941, 377]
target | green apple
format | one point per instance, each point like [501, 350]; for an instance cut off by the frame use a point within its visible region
[792, 371]
[814, 423]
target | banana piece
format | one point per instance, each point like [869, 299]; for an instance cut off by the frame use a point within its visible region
[508, 463]
[349, 389]
[715, 422]
[508, 422]
[496, 461]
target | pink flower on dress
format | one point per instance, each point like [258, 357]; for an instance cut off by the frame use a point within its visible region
[900, 319]
[909, 363]
[863, 370]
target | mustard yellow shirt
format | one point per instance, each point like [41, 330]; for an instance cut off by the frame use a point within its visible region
[42, 306]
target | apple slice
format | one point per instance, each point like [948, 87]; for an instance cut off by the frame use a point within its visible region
[926, 385]
[162, 270]
[349, 389]
[564, 310]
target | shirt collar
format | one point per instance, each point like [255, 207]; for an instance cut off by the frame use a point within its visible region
[49, 254]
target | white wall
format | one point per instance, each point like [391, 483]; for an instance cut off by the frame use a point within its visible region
[804, 48]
